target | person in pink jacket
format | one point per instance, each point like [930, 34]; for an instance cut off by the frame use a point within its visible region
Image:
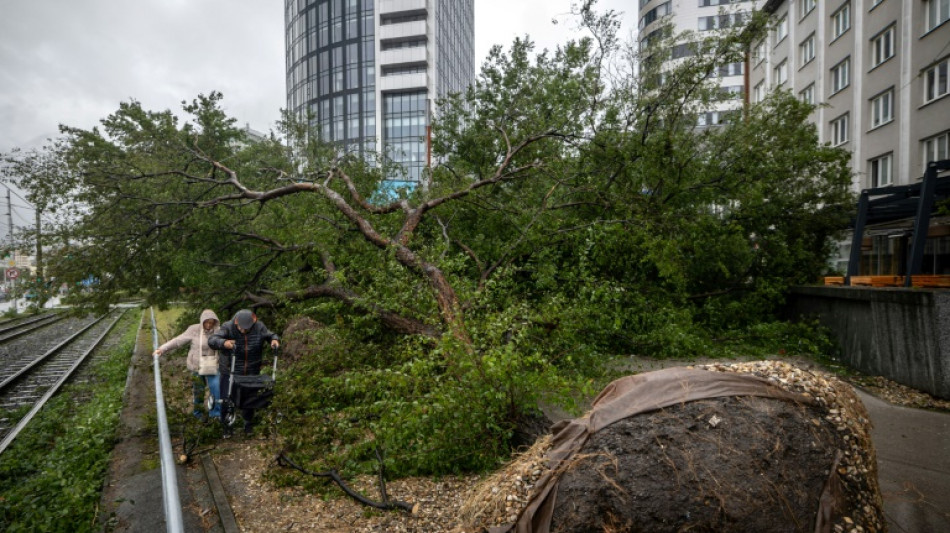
[202, 361]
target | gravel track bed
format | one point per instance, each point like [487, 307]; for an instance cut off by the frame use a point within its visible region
[17, 353]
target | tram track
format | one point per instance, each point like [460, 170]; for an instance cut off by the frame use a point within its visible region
[10, 331]
[28, 381]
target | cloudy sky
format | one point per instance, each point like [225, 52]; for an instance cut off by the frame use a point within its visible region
[73, 61]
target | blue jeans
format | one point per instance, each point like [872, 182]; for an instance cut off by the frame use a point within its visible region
[213, 383]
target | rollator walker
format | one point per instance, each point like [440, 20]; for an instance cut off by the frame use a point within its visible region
[248, 392]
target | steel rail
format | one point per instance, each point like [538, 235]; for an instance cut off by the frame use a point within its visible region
[171, 501]
[44, 321]
[52, 351]
[8, 439]
[7, 325]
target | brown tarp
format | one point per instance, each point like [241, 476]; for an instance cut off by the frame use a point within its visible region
[623, 398]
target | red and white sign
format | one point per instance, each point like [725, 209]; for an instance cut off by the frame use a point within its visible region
[12, 273]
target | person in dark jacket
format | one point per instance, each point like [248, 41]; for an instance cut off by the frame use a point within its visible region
[244, 337]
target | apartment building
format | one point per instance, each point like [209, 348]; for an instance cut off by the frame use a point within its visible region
[701, 17]
[878, 69]
[367, 72]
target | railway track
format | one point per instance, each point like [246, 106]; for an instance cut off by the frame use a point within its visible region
[10, 330]
[29, 380]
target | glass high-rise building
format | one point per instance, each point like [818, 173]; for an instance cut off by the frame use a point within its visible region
[368, 72]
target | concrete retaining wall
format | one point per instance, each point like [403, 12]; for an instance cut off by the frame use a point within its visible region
[901, 334]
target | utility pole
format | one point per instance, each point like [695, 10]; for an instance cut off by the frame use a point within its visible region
[40, 279]
[9, 228]
[9, 219]
[39, 246]
[16, 305]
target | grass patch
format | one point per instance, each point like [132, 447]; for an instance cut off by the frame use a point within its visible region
[166, 321]
[52, 475]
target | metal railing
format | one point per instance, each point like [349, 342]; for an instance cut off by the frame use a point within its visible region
[170, 499]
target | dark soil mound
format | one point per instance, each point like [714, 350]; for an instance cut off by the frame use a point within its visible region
[724, 464]
[757, 446]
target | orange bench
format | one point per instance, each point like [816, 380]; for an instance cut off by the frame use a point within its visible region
[923, 281]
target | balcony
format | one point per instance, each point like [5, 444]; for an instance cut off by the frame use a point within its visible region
[402, 31]
[402, 82]
[390, 7]
[403, 56]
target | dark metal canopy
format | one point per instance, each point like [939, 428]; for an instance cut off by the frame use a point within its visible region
[901, 202]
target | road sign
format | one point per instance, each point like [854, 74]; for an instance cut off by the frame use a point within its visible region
[12, 273]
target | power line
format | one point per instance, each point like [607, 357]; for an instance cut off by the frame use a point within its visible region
[22, 198]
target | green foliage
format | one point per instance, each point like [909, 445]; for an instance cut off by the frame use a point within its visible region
[419, 407]
[577, 214]
[51, 476]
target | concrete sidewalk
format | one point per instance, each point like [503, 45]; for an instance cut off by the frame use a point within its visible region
[913, 457]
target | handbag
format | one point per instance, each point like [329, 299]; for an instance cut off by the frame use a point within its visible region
[207, 364]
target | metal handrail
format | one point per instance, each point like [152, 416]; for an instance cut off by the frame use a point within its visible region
[170, 499]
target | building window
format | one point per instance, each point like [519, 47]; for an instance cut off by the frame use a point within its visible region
[875, 3]
[882, 47]
[781, 30]
[936, 81]
[807, 95]
[758, 92]
[882, 108]
[404, 130]
[881, 171]
[839, 130]
[716, 22]
[936, 148]
[729, 69]
[761, 50]
[806, 50]
[712, 118]
[780, 72]
[655, 14]
[841, 75]
[731, 92]
[841, 20]
[707, 3]
[938, 11]
[399, 70]
[807, 6]
[391, 45]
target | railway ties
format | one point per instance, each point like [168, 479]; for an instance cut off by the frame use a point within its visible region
[13, 329]
[29, 381]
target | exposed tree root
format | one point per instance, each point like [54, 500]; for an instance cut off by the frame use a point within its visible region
[332, 474]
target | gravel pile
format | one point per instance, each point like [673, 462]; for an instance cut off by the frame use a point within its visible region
[500, 498]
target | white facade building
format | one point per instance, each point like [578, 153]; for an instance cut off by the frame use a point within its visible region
[700, 16]
[878, 71]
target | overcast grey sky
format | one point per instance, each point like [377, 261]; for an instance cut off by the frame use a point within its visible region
[73, 61]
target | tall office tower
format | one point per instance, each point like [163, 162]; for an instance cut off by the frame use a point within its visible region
[701, 17]
[368, 72]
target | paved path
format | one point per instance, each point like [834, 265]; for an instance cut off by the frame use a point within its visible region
[913, 456]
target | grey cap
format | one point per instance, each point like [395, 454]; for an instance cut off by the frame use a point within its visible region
[244, 318]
